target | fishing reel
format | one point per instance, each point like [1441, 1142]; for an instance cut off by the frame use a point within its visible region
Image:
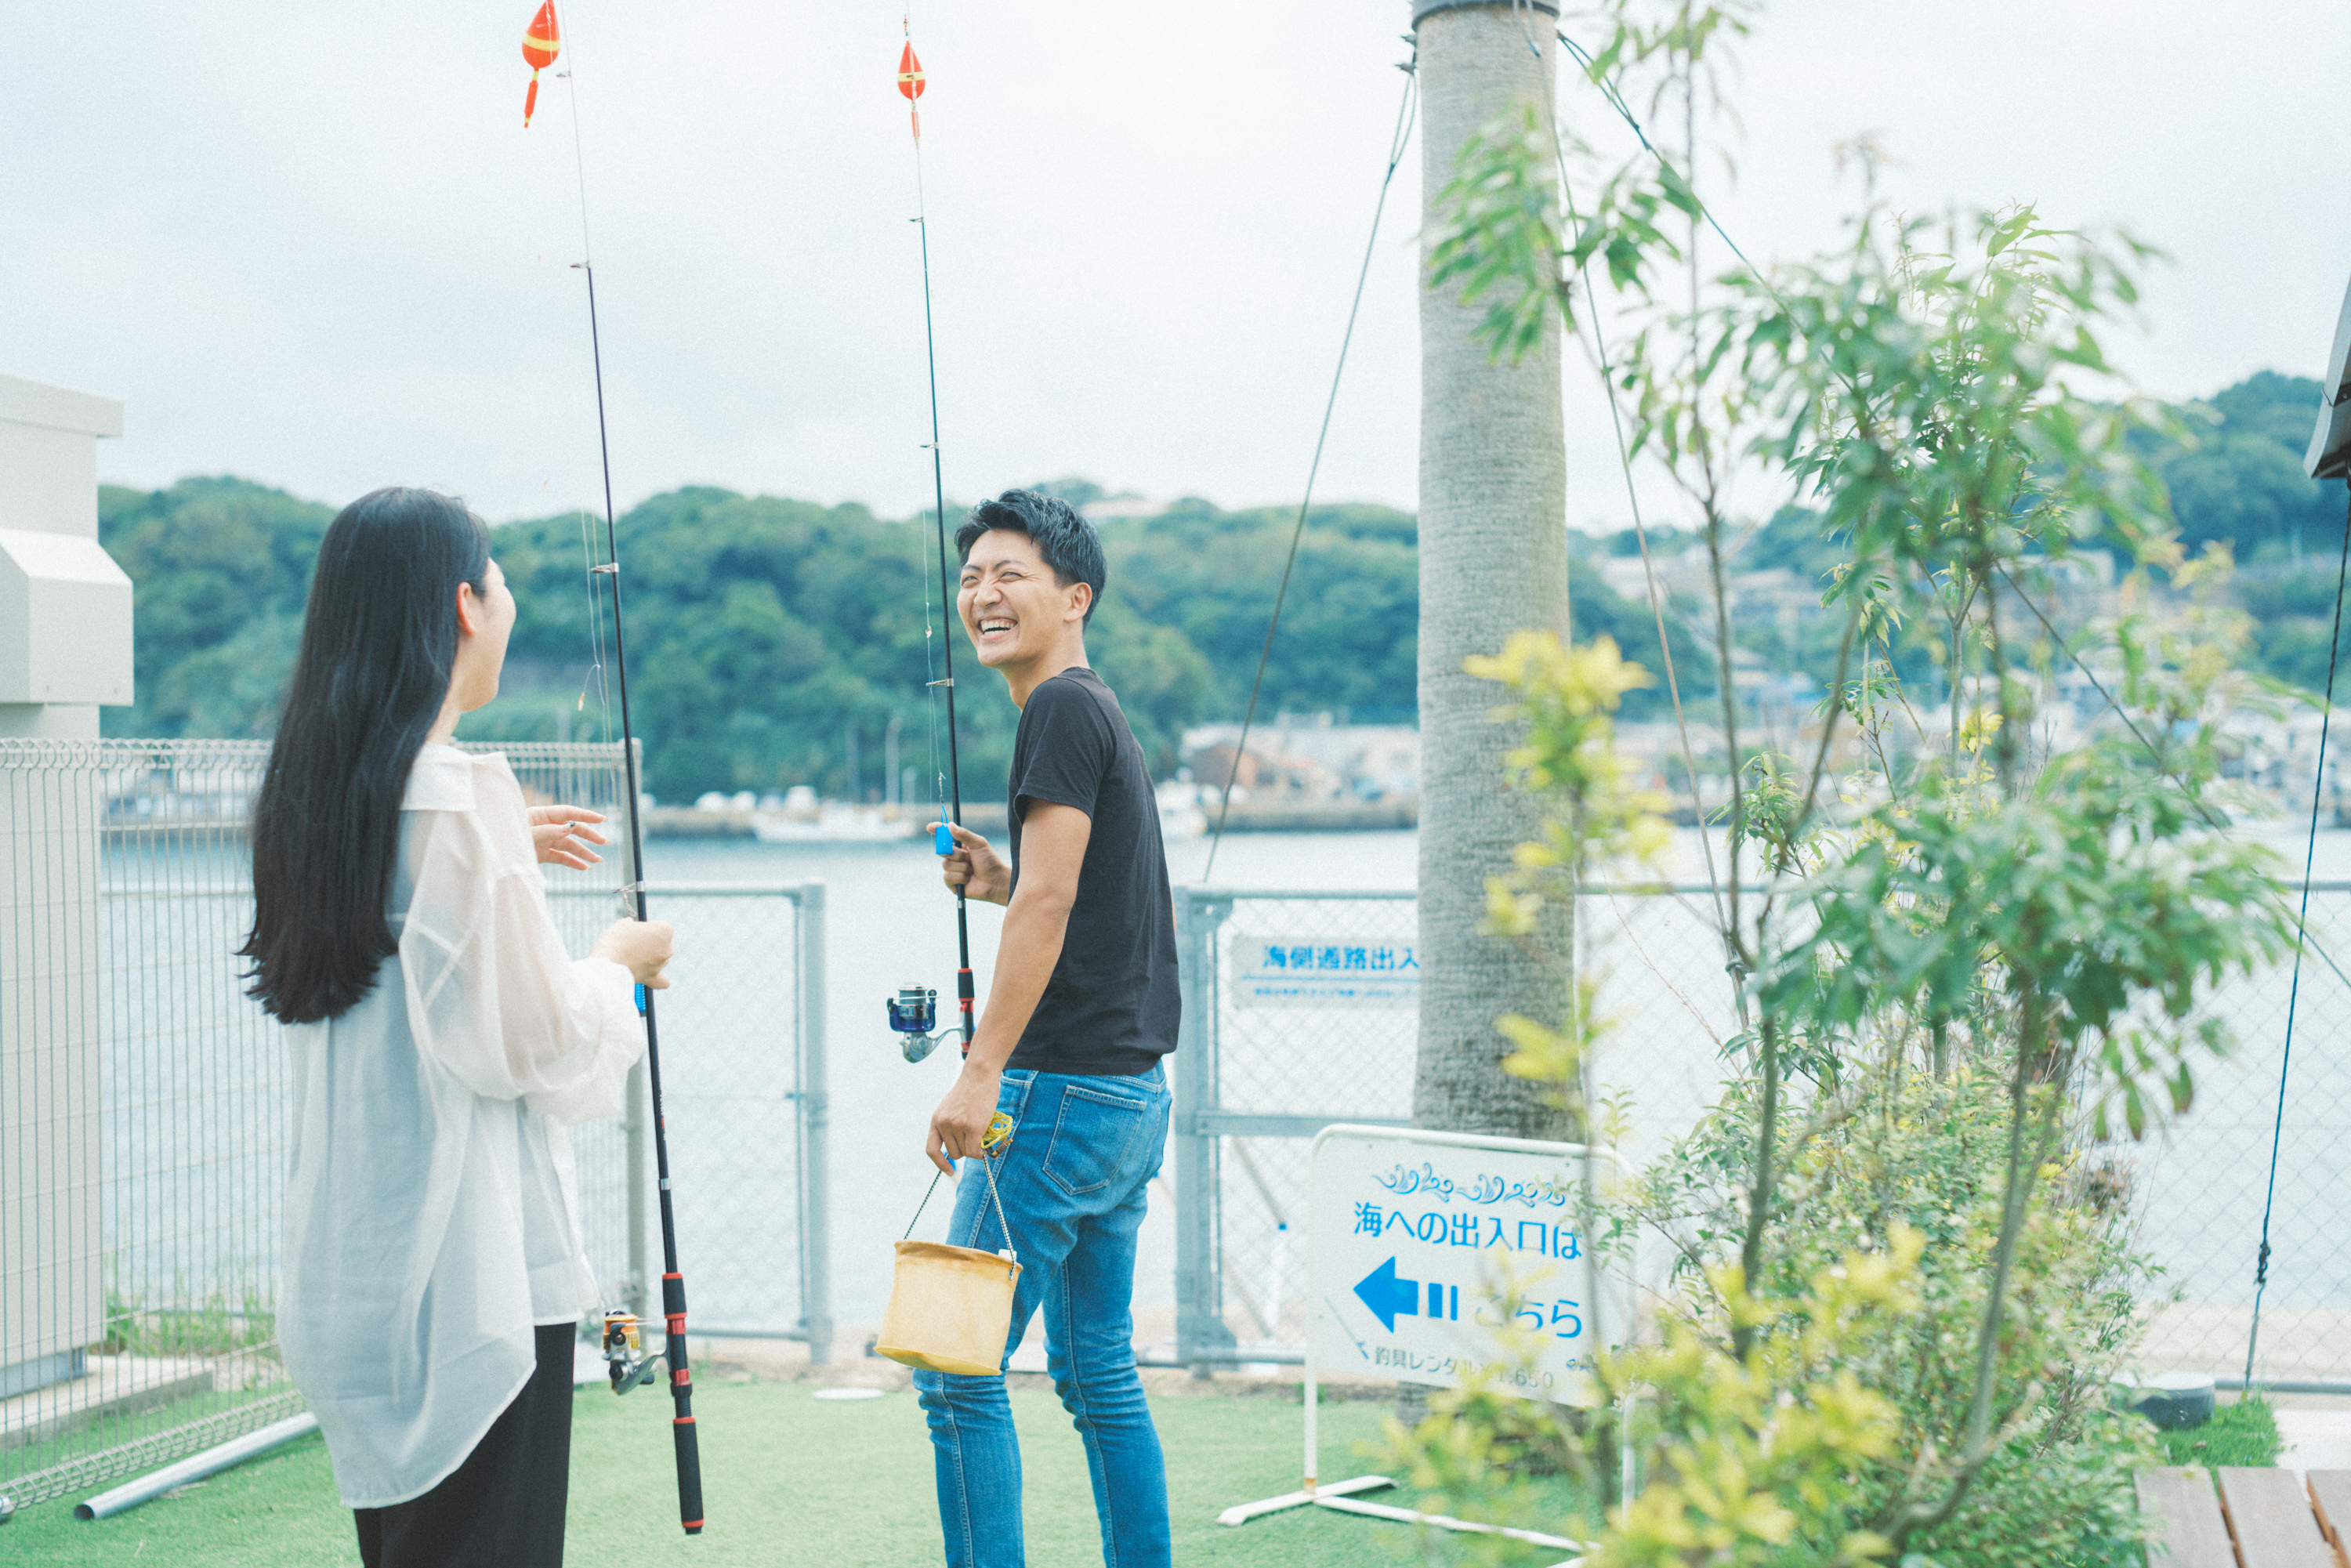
[914, 1016]
[625, 1361]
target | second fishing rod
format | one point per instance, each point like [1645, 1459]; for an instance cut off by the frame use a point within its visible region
[543, 43]
[913, 1012]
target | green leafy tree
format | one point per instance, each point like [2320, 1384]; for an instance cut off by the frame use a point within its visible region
[221, 568]
[2235, 473]
[1898, 1292]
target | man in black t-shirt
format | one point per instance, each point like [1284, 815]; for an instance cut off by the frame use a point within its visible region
[1082, 1006]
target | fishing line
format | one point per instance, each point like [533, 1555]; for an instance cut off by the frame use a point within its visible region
[1407, 114]
[2301, 925]
[595, 677]
[930, 681]
[673, 1345]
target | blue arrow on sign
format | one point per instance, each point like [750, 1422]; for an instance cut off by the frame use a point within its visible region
[1389, 1297]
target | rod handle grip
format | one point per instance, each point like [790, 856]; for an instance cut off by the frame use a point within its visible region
[689, 1476]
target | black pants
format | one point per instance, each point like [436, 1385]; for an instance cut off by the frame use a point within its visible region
[503, 1508]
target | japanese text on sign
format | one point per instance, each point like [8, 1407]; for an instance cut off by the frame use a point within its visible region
[1324, 971]
[1424, 1247]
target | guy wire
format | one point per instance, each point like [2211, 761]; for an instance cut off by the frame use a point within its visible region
[1597, 346]
[1616, 101]
[2301, 925]
[673, 1344]
[2302, 922]
[1406, 114]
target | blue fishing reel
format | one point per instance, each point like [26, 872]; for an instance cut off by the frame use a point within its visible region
[914, 1016]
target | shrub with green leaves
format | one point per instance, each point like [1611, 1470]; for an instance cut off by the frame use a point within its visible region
[1960, 962]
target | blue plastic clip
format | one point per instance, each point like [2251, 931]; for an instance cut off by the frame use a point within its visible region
[641, 999]
[942, 840]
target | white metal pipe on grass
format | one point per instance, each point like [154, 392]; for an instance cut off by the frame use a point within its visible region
[196, 1467]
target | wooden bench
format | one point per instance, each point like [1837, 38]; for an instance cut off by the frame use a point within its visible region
[2254, 1519]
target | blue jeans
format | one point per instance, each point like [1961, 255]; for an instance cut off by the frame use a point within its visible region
[1074, 1180]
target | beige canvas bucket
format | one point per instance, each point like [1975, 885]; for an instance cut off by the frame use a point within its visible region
[951, 1307]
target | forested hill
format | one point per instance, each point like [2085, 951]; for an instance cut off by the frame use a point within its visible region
[762, 629]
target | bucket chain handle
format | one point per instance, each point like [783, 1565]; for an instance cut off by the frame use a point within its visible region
[986, 1164]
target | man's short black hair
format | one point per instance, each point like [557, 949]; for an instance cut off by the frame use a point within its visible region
[1067, 541]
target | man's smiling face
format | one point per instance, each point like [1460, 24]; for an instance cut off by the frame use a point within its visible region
[1013, 608]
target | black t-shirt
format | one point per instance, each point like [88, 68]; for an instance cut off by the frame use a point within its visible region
[1112, 1006]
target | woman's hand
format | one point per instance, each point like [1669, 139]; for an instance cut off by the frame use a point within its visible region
[641, 946]
[557, 835]
[978, 870]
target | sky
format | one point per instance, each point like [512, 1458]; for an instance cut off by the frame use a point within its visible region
[315, 246]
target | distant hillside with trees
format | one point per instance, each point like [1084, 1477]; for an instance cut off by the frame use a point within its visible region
[765, 630]
[2236, 480]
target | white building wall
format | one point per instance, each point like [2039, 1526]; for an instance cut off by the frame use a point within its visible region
[65, 606]
[65, 650]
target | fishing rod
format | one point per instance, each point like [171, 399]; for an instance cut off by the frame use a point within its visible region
[540, 46]
[914, 1012]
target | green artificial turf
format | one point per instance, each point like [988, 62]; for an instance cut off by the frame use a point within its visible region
[2244, 1433]
[787, 1479]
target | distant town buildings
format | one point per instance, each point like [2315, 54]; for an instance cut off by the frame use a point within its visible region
[1307, 758]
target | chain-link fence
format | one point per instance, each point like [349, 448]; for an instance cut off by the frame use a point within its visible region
[1288, 1026]
[2201, 1185]
[1300, 1010]
[743, 1081]
[144, 1123]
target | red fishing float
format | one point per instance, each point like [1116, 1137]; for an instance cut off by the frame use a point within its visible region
[910, 84]
[541, 45]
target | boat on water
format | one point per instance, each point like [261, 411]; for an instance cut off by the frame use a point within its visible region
[836, 823]
[1180, 812]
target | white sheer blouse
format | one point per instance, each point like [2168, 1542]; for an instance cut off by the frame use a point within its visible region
[430, 1215]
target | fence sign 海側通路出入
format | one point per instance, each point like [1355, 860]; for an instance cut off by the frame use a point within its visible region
[1324, 971]
[1434, 1259]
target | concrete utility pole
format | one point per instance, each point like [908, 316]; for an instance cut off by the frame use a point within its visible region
[1493, 560]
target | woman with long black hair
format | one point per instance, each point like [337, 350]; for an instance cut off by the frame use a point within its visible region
[442, 1042]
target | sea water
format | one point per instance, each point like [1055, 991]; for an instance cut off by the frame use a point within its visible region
[891, 922]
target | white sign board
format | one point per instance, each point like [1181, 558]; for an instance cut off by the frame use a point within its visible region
[1324, 971]
[1415, 1239]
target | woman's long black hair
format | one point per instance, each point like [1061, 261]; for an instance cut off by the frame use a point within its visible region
[379, 641]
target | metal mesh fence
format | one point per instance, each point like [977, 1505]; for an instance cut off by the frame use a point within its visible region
[1262, 1078]
[2201, 1184]
[744, 1093]
[144, 1123]
[1300, 1010]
